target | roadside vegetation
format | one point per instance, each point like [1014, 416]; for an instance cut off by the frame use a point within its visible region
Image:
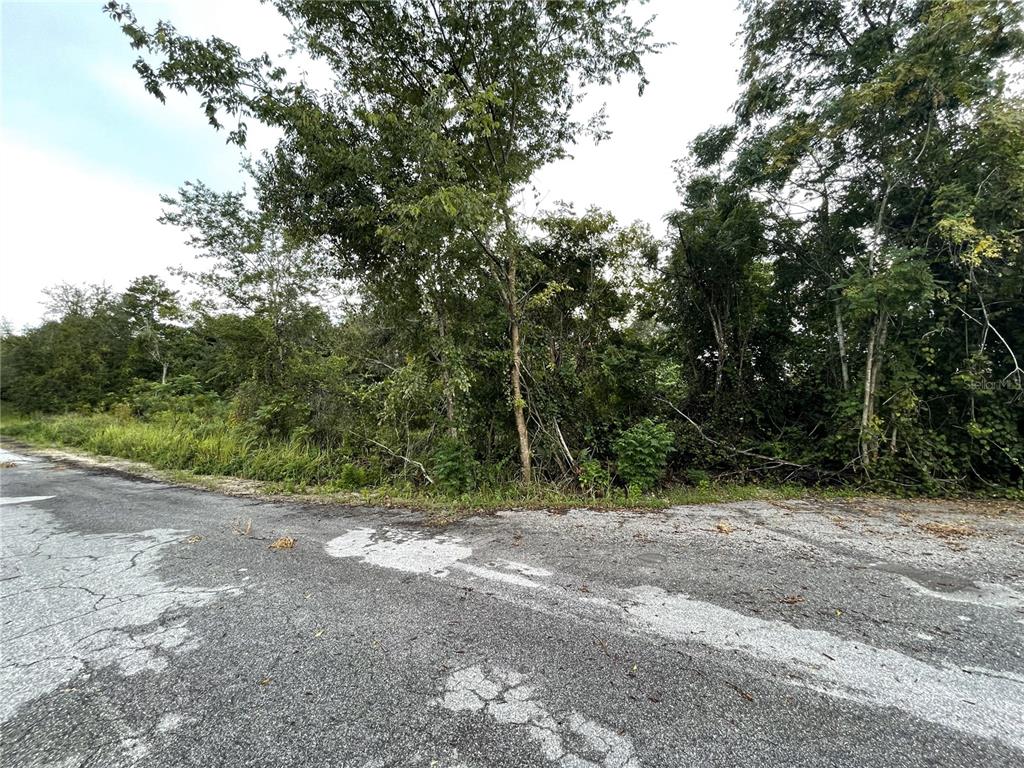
[839, 303]
[208, 451]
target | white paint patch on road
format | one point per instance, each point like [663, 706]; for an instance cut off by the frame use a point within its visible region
[494, 575]
[988, 705]
[73, 602]
[170, 722]
[22, 500]
[523, 568]
[400, 550]
[16, 458]
[985, 594]
[434, 555]
[574, 741]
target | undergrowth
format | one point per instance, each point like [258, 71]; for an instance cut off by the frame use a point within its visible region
[210, 450]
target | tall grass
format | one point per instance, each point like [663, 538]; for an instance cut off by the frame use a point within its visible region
[209, 448]
[211, 444]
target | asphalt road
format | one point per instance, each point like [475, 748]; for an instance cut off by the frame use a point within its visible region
[145, 624]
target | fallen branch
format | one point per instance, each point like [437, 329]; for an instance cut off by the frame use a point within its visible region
[565, 447]
[406, 459]
[774, 460]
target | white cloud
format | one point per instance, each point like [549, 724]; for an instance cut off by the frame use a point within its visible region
[692, 86]
[62, 220]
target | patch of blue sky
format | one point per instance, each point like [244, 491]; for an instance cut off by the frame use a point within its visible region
[68, 86]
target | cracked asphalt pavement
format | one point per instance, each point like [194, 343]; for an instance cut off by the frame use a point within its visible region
[146, 624]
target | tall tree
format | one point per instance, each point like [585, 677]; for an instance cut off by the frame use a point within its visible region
[441, 113]
[152, 309]
[863, 121]
[251, 265]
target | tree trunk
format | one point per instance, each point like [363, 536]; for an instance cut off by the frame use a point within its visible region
[841, 336]
[872, 369]
[163, 376]
[516, 368]
[718, 327]
[518, 403]
[873, 363]
[446, 377]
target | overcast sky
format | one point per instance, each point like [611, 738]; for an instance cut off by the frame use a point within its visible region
[86, 152]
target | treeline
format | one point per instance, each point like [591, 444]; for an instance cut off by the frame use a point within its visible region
[841, 296]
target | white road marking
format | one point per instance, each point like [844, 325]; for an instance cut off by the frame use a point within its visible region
[523, 568]
[399, 550]
[22, 499]
[818, 660]
[984, 593]
[843, 668]
[413, 552]
[506, 578]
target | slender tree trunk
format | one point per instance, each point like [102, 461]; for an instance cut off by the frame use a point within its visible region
[516, 368]
[872, 369]
[866, 406]
[518, 403]
[446, 376]
[449, 409]
[163, 376]
[723, 349]
[873, 363]
[841, 337]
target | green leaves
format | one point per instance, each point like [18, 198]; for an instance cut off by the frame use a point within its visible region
[641, 453]
[454, 467]
[900, 285]
[842, 285]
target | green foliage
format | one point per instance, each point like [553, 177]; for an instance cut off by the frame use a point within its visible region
[454, 466]
[698, 477]
[202, 447]
[839, 298]
[594, 479]
[641, 454]
[352, 476]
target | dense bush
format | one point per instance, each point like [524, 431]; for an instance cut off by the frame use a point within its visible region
[455, 468]
[641, 454]
[594, 479]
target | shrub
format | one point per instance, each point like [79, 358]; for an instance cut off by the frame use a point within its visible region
[264, 411]
[455, 467]
[698, 477]
[352, 476]
[594, 478]
[641, 453]
[182, 395]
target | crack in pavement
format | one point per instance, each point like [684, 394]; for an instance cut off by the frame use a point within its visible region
[79, 602]
[986, 705]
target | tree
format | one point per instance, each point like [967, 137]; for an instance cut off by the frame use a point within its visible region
[442, 113]
[152, 311]
[252, 265]
[588, 272]
[77, 358]
[863, 123]
[718, 272]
